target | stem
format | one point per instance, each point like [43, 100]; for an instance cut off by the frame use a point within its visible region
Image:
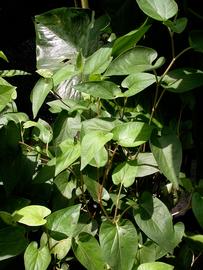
[76, 3]
[117, 203]
[172, 43]
[59, 98]
[84, 4]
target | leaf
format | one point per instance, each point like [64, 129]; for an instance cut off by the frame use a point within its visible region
[94, 188]
[183, 80]
[45, 131]
[100, 89]
[7, 94]
[32, 215]
[63, 222]
[126, 172]
[13, 72]
[195, 242]
[138, 59]
[137, 82]
[167, 152]
[12, 242]
[132, 134]
[39, 93]
[91, 143]
[88, 252]
[100, 159]
[129, 40]
[70, 152]
[119, 244]
[64, 185]
[155, 266]
[98, 62]
[197, 207]
[66, 72]
[61, 248]
[196, 40]
[178, 26]
[3, 56]
[36, 259]
[97, 124]
[154, 219]
[158, 9]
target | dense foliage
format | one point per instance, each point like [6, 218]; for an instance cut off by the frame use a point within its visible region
[97, 178]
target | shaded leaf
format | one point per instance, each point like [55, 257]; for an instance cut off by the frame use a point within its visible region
[196, 40]
[119, 244]
[178, 26]
[197, 207]
[158, 9]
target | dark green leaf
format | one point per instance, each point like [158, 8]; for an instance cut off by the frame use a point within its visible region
[88, 252]
[138, 59]
[167, 152]
[119, 244]
[196, 40]
[12, 242]
[158, 9]
[178, 26]
[197, 207]
[36, 259]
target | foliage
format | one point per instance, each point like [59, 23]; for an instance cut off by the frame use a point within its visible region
[99, 184]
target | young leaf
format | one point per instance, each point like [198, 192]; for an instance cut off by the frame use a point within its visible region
[197, 207]
[132, 134]
[91, 143]
[36, 259]
[137, 82]
[167, 152]
[155, 266]
[100, 89]
[88, 252]
[196, 40]
[39, 93]
[98, 62]
[62, 223]
[138, 59]
[182, 80]
[8, 236]
[119, 244]
[32, 215]
[158, 9]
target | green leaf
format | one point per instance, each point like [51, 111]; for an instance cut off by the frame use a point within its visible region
[39, 93]
[195, 242]
[129, 40]
[98, 62]
[88, 252]
[197, 207]
[45, 131]
[100, 159]
[126, 172]
[64, 73]
[36, 259]
[61, 248]
[91, 143]
[178, 26]
[64, 185]
[97, 124]
[94, 188]
[62, 223]
[158, 9]
[196, 40]
[183, 80]
[154, 219]
[132, 134]
[3, 56]
[7, 94]
[12, 242]
[32, 215]
[69, 153]
[100, 89]
[13, 72]
[155, 266]
[167, 152]
[119, 244]
[138, 59]
[137, 82]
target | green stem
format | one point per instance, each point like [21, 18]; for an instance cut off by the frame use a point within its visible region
[84, 4]
[117, 203]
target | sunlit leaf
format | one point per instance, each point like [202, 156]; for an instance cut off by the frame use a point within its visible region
[155, 266]
[158, 9]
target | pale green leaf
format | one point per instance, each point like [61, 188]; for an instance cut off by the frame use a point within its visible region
[3, 56]
[61, 248]
[158, 9]
[7, 94]
[36, 259]
[100, 158]
[32, 215]
[119, 244]
[155, 266]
